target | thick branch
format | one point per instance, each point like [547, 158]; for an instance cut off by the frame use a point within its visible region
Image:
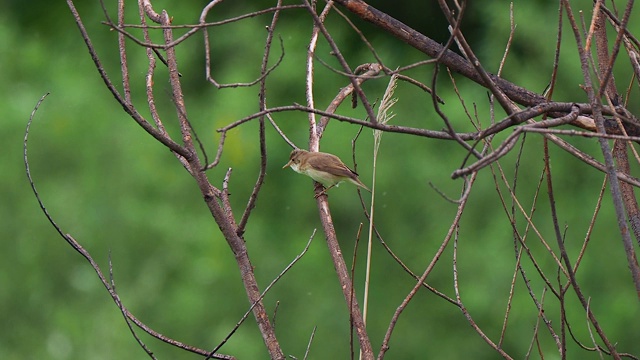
[343, 274]
[432, 48]
[223, 218]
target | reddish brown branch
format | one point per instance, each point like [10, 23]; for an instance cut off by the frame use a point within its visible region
[343, 274]
[224, 219]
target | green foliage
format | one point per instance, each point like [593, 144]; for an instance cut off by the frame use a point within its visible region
[125, 197]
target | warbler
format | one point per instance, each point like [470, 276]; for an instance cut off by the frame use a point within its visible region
[324, 168]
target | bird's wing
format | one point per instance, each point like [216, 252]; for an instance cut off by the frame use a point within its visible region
[335, 166]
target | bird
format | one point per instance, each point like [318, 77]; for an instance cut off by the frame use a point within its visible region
[324, 168]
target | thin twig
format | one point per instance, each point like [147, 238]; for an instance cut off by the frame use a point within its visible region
[263, 144]
[266, 290]
[87, 256]
[308, 349]
[343, 62]
[123, 310]
[135, 115]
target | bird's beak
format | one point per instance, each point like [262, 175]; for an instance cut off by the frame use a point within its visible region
[288, 164]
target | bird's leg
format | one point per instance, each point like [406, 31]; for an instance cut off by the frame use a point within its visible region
[323, 192]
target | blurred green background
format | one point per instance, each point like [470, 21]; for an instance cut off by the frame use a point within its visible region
[124, 196]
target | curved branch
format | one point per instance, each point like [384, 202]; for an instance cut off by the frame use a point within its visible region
[85, 254]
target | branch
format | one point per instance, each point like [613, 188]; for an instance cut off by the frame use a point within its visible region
[87, 256]
[263, 104]
[454, 61]
[129, 109]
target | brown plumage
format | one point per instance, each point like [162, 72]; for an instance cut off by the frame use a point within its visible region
[324, 168]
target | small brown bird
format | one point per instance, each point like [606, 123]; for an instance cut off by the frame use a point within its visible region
[324, 168]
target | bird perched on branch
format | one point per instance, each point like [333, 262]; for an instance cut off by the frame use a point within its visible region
[324, 168]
